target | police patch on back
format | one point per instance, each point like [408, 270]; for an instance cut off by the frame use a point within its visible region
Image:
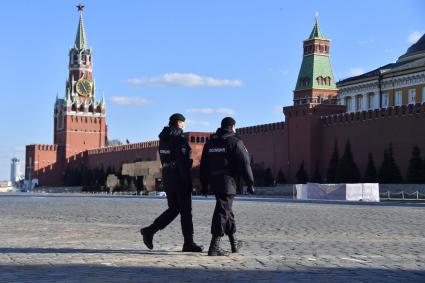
[217, 150]
[164, 151]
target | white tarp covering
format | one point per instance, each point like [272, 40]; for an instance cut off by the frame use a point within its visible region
[352, 192]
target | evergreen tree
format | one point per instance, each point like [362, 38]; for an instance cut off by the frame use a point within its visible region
[389, 172]
[423, 171]
[347, 171]
[131, 185]
[103, 176]
[416, 167]
[317, 178]
[125, 183]
[333, 164]
[370, 175]
[268, 178]
[301, 175]
[86, 176]
[281, 177]
[259, 176]
[75, 177]
[109, 170]
[66, 177]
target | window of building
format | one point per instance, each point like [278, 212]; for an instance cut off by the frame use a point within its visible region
[370, 101]
[197, 139]
[423, 94]
[202, 139]
[412, 96]
[385, 100]
[359, 102]
[348, 103]
[328, 81]
[398, 98]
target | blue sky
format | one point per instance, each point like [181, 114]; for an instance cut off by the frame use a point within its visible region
[205, 59]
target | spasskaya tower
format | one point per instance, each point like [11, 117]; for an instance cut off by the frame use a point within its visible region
[79, 117]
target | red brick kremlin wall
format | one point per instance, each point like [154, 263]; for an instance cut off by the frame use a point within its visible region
[115, 156]
[310, 139]
[45, 167]
[267, 145]
[372, 131]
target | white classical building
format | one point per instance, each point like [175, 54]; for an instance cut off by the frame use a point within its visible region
[395, 84]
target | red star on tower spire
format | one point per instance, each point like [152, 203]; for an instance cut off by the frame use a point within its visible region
[80, 7]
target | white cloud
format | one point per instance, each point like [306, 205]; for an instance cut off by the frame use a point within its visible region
[184, 79]
[198, 123]
[125, 100]
[224, 111]
[414, 36]
[356, 71]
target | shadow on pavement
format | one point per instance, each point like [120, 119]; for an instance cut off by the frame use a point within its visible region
[84, 251]
[109, 273]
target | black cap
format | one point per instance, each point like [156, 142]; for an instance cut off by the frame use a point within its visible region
[228, 122]
[177, 117]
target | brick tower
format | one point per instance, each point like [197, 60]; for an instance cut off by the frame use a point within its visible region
[315, 83]
[315, 95]
[79, 118]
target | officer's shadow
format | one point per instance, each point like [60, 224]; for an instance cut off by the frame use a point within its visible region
[33, 250]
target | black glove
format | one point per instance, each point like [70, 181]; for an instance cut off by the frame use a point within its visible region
[251, 190]
[204, 191]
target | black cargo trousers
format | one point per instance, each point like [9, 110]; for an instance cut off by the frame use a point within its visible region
[179, 200]
[178, 203]
[223, 221]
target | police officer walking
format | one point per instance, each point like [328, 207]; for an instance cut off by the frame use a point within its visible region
[175, 155]
[224, 160]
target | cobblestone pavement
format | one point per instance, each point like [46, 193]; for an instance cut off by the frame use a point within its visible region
[96, 239]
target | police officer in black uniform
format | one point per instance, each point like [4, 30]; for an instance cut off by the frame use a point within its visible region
[224, 160]
[175, 155]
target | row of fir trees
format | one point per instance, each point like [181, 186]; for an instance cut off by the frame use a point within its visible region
[344, 169]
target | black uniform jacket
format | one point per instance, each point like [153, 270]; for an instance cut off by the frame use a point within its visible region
[225, 159]
[175, 154]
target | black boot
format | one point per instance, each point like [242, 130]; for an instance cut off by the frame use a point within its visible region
[215, 249]
[189, 245]
[147, 234]
[192, 247]
[235, 244]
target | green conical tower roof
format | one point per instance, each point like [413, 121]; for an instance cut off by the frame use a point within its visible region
[316, 69]
[316, 33]
[80, 39]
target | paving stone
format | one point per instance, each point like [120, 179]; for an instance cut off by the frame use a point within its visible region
[79, 238]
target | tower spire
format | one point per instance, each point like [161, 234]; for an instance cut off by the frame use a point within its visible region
[316, 33]
[80, 39]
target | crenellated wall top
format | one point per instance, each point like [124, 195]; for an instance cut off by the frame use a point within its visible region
[272, 127]
[42, 147]
[126, 147]
[382, 113]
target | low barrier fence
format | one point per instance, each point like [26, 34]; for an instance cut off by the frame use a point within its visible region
[402, 195]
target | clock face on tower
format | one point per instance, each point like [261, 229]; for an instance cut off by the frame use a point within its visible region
[84, 87]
